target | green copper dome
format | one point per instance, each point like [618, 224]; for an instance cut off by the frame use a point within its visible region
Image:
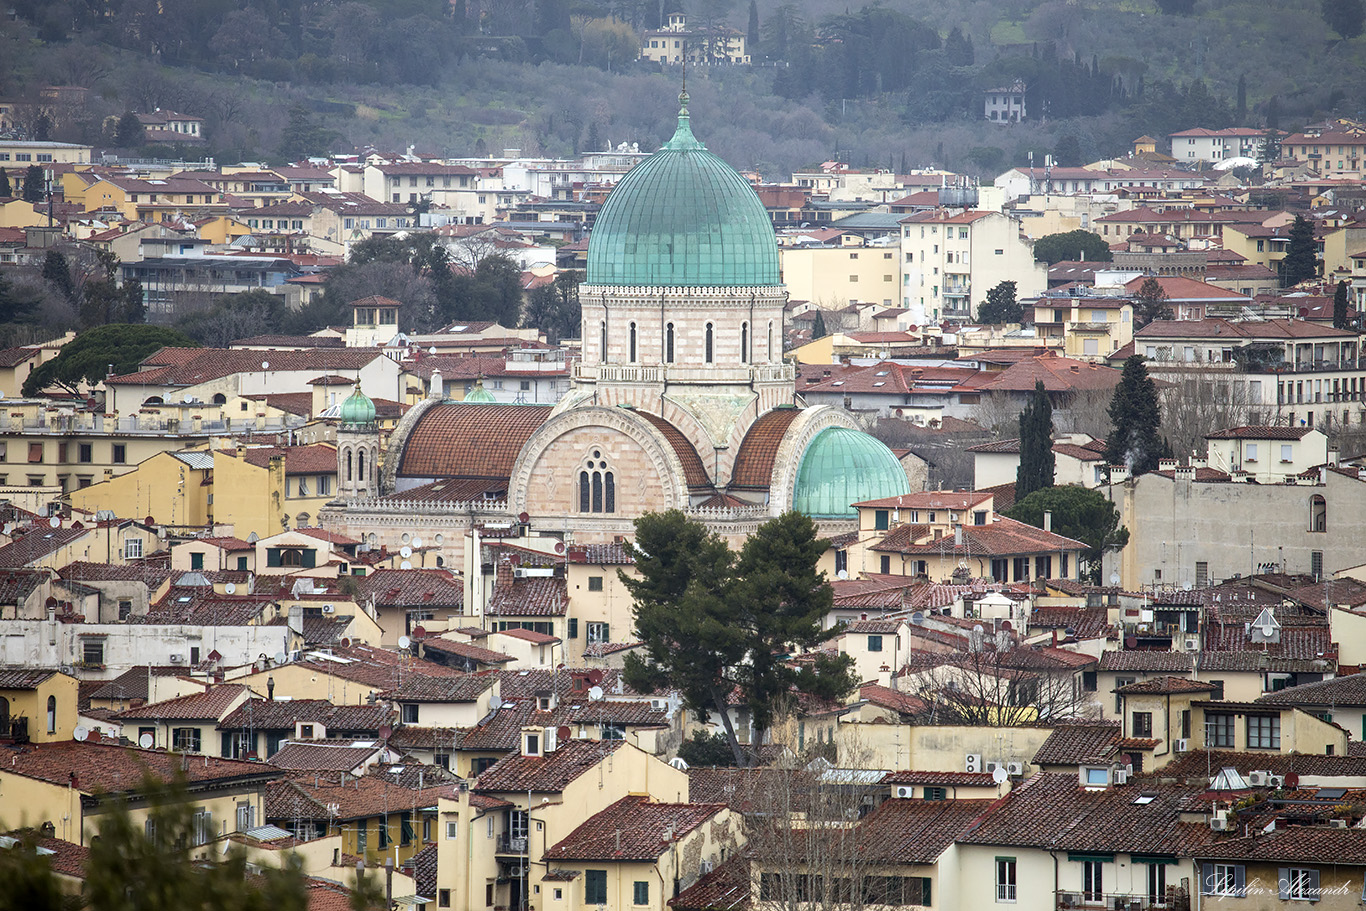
[843, 466]
[358, 409]
[683, 217]
[479, 393]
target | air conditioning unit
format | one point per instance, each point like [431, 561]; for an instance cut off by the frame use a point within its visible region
[1183, 745]
[973, 762]
[905, 791]
[1277, 781]
[329, 609]
[1121, 776]
[177, 658]
[518, 572]
[1192, 645]
[1069, 899]
[1337, 823]
[1218, 825]
[1015, 768]
[705, 867]
[1259, 778]
[991, 766]
[1116, 902]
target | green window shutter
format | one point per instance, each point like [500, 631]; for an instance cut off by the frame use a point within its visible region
[310, 559]
[595, 887]
[273, 556]
[573, 627]
[641, 894]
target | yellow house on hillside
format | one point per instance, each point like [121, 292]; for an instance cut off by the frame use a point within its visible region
[37, 704]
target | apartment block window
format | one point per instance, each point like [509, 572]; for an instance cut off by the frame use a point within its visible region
[598, 632]
[1119, 700]
[120, 454]
[186, 740]
[881, 520]
[874, 643]
[410, 713]
[1316, 563]
[84, 453]
[443, 898]
[935, 794]
[595, 887]
[1201, 574]
[595, 583]
[203, 828]
[196, 561]
[640, 894]
[1264, 732]
[1093, 880]
[246, 817]
[1142, 724]
[885, 564]
[35, 452]
[92, 652]
[1005, 879]
[1223, 879]
[1298, 884]
[132, 548]
[452, 830]
[125, 609]
[1219, 730]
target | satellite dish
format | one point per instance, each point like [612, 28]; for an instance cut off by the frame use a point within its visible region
[917, 619]
[842, 574]
[265, 365]
[419, 632]
[559, 547]
[595, 694]
[146, 741]
[431, 350]
[230, 588]
[55, 521]
[188, 398]
[1114, 578]
[280, 658]
[999, 775]
[404, 642]
[405, 565]
[384, 731]
[405, 551]
[977, 628]
[417, 542]
[80, 734]
[523, 518]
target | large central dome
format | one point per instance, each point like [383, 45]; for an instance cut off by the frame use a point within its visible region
[683, 217]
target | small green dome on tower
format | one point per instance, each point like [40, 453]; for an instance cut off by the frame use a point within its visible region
[358, 408]
[842, 466]
[479, 393]
[683, 217]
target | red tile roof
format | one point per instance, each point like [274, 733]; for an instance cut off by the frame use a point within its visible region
[23, 678]
[1074, 744]
[307, 797]
[413, 588]
[546, 774]
[1259, 433]
[461, 440]
[466, 650]
[632, 829]
[753, 468]
[531, 597]
[323, 755]
[318, 458]
[465, 688]
[1003, 537]
[191, 366]
[104, 767]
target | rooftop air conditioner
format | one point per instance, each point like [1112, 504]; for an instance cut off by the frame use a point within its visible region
[1337, 823]
[905, 791]
[1219, 824]
[177, 658]
[1259, 779]
[329, 609]
[1183, 745]
[1015, 768]
[1277, 781]
[973, 762]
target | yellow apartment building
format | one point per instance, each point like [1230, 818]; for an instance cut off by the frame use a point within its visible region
[39, 702]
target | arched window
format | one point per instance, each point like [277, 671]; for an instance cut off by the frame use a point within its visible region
[768, 356]
[744, 343]
[602, 341]
[350, 457]
[585, 504]
[709, 343]
[609, 501]
[360, 465]
[597, 486]
[597, 491]
[52, 714]
[1318, 513]
[669, 343]
[632, 358]
[220, 399]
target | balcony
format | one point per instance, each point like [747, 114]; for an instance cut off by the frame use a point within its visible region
[1174, 899]
[512, 844]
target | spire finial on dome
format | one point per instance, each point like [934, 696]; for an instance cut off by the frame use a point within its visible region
[683, 137]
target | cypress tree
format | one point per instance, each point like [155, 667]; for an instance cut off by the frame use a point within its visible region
[5, 189]
[1340, 306]
[1135, 415]
[1035, 471]
[818, 329]
[1301, 257]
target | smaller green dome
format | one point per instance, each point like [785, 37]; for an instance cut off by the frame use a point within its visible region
[841, 467]
[358, 409]
[479, 393]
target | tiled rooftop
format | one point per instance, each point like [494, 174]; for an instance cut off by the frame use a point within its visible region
[458, 440]
[551, 773]
[632, 829]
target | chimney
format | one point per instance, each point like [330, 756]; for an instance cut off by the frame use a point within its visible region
[1047, 520]
[270, 688]
[503, 572]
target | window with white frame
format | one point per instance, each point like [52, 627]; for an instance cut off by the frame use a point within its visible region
[1005, 879]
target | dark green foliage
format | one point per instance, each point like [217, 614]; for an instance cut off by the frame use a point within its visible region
[5, 188]
[103, 300]
[1340, 306]
[235, 316]
[92, 354]
[1150, 303]
[1269, 149]
[34, 191]
[1135, 416]
[1067, 153]
[958, 48]
[706, 751]
[303, 137]
[1072, 245]
[26, 878]
[752, 30]
[554, 308]
[1346, 17]
[1035, 470]
[57, 272]
[818, 329]
[713, 624]
[1000, 306]
[1301, 261]
[129, 134]
[17, 304]
[1240, 112]
[1176, 7]
[1081, 514]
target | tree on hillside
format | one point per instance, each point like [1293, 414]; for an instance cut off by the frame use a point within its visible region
[1340, 306]
[57, 271]
[235, 316]
[1036, 468]
[1135, 416]
[715, 627]
[103, 300]
[1067, 152]
[129, 133]
[1078, 513]
[34, 190]
[1346, 17]
[1000, 306]
[304, 137]
[93, 353]
[752, 30]
[1072, 245]
[1150, 303]
[1269, 148]
[554, 308]
[1301, 261]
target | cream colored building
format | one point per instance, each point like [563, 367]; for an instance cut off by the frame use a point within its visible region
[42, 701]
[850, 271]
[952, 258]
[676, 41]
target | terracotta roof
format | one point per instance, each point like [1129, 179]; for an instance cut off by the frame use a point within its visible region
[914, 831]
[634, 828]
[465, 688]
[319, 458]
[1003, 537]
[466, 650]
[546, 774]
[1349, 690]
[309, 797]
[323, 755]
[37, 544]
[530, 597]
[413, 588]
[1165, 685]
[1196, 763]
[529, 635]
[192, 366]
[694, 472]
[917, 776]
[1058, 374]
[1147, 661]
[104, 767]
[209, 705]
[902, 703]
[931, 499]
[745, 790]
[598, 554]
[456, 439]
[373, 667]
[725, 888]
[270, 714]
[23, 678]
[1074, 744]
[753, 468]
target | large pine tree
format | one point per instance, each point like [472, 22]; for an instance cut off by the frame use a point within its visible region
[1301, 255]
[1035, 471]
[1135, 415]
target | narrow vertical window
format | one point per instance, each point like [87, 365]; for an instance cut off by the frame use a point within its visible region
[602, 343]
[360, 466]
[349, 458]
[597, 491]
[609, 503]
[769, 353]
[632, 358]
[584, 502]
[669, 343]
[744, 343]
[709, 343]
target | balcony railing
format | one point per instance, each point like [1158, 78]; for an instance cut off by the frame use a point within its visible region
[512, 844]
[1173, 899]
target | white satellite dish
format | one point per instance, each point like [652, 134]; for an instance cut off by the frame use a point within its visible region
[80, 733]
[404, 642]
[417, 542]
[999, 774]
[188, 398]
[405, 565]
[1114, 578]
[842, 574]
[230, 588]
[595, 694]
[280, 658]
[146, 741]
[55, 521]
[265, 365]
[405, 551]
